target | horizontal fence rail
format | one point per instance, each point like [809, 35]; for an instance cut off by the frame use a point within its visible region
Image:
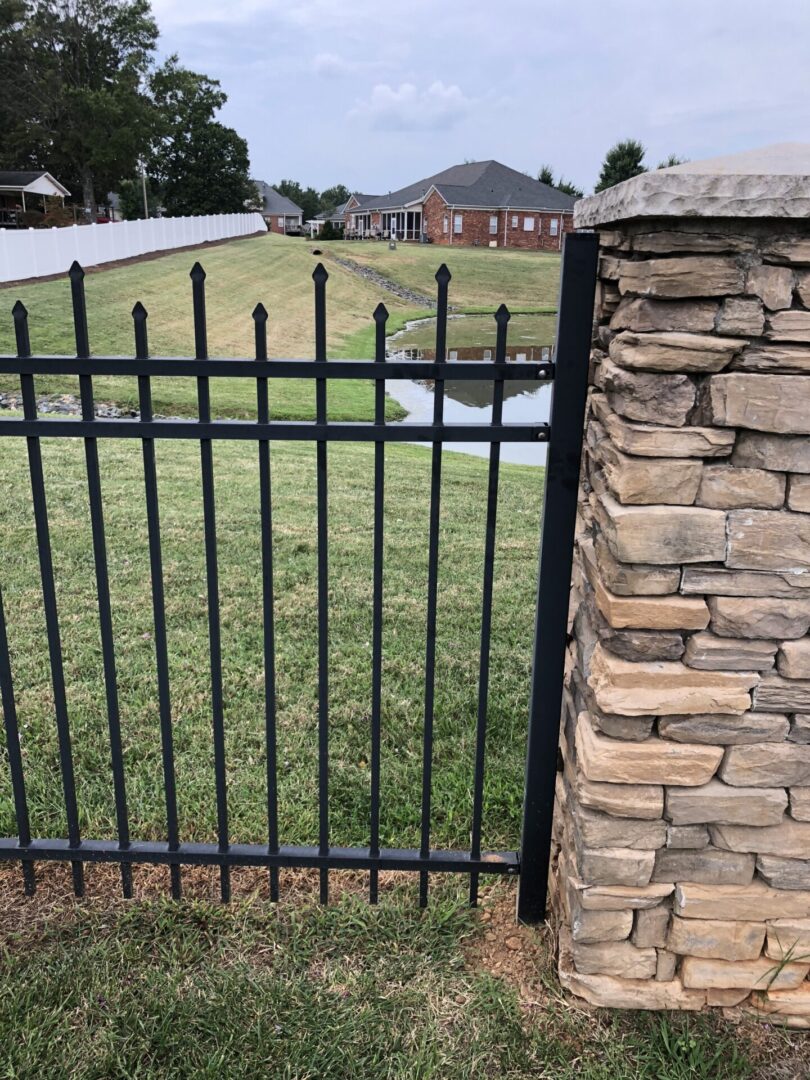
[225, 853]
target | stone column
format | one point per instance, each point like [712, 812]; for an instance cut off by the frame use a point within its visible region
[683, 808]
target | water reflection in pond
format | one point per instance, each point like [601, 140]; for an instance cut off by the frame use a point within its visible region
[473, 338]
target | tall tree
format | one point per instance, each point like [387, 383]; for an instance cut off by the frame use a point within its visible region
[334, 196]
[74, 72]
[201, 165]
[307, 198]
[546, 176]
[622, 161]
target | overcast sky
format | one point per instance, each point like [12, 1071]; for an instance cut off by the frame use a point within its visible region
[379, 93]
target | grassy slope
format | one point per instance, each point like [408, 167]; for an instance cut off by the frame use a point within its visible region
[276, 271]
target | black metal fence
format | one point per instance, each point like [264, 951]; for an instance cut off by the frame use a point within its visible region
[564, 436]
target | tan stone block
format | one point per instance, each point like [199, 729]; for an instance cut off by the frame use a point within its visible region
[761, 974]
[766, 358]
[700, 275]
[716, 730]
[803, 286]
[692, 235]
[788, 840]
[739, 315]
[674, 352]
[799, 494]
[720, 803]
[767, 765]
[699, 580]
[777, 403]
[611, 992]
[759, 617]
[600, 830]
[707, 652]
[687, 836]
[665, 968]
[617, 958]
[716, 939]
[588, 927]
[615, 866]
[665, 688]
[788, 326]
[800, 803]
[643, 612]
[768, 540]
[643, 480]
[800, 729]
[776, 693]
[655, 398]
[644, 316]
[725, 999]
[663, 534]
[707, 865]
[788, 938]
[647, 440]
[793, 659]
[619, 897]
[650, 927]
[773, 284]
[789, 1007]
[725, 487]
[626, 579]
[695, 901]
[780, 453]
[784, 873]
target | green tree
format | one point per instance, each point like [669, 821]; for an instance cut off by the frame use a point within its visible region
[622, 161]
[333, 197]
[307, 198]
[130, 198]
[73, 73]
[202, 166]
[546, 176]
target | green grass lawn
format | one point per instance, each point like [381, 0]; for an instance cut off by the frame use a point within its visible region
[113, 991]
[350, 515]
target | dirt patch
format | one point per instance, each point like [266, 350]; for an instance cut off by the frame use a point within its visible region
[522, 955]
[148, 256]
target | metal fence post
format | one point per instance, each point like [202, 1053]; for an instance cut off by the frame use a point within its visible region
[575, 321]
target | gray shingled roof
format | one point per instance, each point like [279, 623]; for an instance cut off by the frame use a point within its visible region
[272, 202]
[477, 183]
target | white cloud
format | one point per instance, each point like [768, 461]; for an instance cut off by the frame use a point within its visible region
[331, 66]
[406, 108]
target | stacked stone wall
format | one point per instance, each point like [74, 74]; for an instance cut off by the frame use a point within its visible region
[683, 804]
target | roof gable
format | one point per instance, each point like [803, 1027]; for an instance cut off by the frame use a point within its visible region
[273, 202]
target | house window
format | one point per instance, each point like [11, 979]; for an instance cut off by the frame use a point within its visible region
[528, 224]
[453, 354]
[281, 222]
[445, 224]
[457, 223]
[514, 221]
[487, 354]
[493, 224]
[553, 225]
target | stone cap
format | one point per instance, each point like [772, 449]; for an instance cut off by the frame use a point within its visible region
[772, 182]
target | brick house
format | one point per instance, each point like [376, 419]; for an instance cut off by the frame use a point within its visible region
[281, 214]
[479, 203]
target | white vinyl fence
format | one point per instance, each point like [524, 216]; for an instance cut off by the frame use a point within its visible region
[31, 253]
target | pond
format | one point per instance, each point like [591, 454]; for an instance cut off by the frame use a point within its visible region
[472, 337]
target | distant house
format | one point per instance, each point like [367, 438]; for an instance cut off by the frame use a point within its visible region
[478, 203]
[280, 213]
[335, 217]
[21, 192]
